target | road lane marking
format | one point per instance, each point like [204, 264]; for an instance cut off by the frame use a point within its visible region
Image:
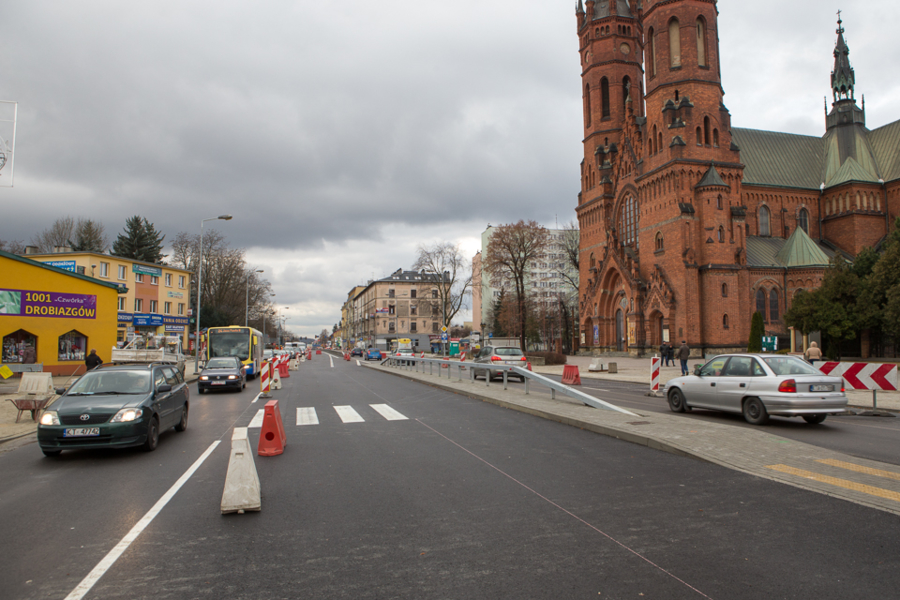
[331, 360]
[348, 415]
[388, 413]
[860, 469]
[307, 416]
[841, 483]
[257, 419]
[109, 560]
[257, 398]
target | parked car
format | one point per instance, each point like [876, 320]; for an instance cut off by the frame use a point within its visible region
[373, 354]
[116, 406]
[222, 373]
[499, 355]
[404, 352]
[757, 386]
[356, 352]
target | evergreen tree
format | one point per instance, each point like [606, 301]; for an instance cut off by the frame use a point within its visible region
[496, 322]
[89, 237]
[754, 344]
[140, 241]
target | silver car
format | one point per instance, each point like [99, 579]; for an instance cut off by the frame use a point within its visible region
[499, 355]
[757, 386]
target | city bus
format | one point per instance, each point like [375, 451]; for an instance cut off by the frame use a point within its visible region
[235, 340]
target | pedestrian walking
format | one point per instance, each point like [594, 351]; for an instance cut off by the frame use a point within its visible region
[813, 353]
[684, 352]
[664, 353]
[93, 361]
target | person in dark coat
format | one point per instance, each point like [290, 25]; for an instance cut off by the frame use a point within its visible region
[663, 350]
[684, 353]
[93, 361]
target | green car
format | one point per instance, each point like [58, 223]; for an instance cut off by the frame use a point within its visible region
[116, 406]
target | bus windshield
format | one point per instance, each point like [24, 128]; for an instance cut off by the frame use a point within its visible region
[229, 343]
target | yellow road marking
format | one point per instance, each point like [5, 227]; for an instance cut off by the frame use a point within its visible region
[842, 483]
[859, 469]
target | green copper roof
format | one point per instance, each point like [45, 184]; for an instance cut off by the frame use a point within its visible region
[780, 159]
[885, 143]
[801, 251]
[850, 171]
[848, 156]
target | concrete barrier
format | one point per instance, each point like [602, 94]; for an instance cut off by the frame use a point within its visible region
[242, 490]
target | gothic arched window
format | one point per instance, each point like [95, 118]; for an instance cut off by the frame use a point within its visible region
[652, 39]
[587, 105]
[659, 240]
[764, 221]
[674, 44]
[701, 42]
[604, 97]
[761, 302]
[803, 220]
[626, 88]
[724, 290]
[773, 306]
[706, 130]
[628, 222]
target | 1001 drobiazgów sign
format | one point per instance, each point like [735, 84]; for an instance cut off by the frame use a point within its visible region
[28, 303]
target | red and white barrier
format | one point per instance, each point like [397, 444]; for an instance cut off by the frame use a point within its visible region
[863, 376]
[264, 379]
[654, 373]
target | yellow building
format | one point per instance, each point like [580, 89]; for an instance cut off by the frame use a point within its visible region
[53, 317]
[155, 298]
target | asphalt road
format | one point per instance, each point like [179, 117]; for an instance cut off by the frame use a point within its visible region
[461, 499]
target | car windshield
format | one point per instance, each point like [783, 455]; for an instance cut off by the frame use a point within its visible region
[112, 382]
[790, 365]
[230, 343]
[221, 363]
[507, 351]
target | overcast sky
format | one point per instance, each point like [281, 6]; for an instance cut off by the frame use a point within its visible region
[342, 135]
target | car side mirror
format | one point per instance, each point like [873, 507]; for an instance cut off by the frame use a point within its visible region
[164, 388]
[697, 370]
[60, 391]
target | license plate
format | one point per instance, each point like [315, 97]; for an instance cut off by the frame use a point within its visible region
[82, 432]
[822, 388]
[218, 383]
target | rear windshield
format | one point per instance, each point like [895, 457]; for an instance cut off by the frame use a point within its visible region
[507, 352]
[790, 365]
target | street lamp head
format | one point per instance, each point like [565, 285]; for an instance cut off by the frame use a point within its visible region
[260, 271]
[225, 217]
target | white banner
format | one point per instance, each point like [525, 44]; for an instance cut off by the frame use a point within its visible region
[8, 114]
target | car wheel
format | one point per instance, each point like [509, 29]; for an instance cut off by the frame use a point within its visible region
[152, 435]
[676, 401]
[51, 453]
[755, 411]
[182, 424]
[814, 419]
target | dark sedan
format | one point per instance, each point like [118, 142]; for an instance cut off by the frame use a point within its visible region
[116, 406]
[356, 352]
[222, 373]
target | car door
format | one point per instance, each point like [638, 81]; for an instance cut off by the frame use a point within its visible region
[734, 383]
[179, 391]
[164, 401]
[700, 390]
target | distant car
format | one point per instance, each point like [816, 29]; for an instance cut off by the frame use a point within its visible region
[373, 354]
[356, 352]
[757, 386]
[499, 355]
[405, 352]
[222, 373]
[268, 354]
[116, 406]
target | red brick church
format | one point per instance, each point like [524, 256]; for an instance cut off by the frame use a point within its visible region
[688, 225]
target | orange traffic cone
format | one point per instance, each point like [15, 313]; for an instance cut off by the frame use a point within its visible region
[272, 439]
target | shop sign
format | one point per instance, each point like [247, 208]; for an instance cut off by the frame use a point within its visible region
[145, 270]
[68, 265]
[147, 320]
[174, 328]
[28, 303]
[168, 320]
[125, 317]
[175, 294]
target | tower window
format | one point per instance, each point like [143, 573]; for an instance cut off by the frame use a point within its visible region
[764, 221]
[659, 240]
[626, 88]
[724, 290]
[674, 44]
[803, 220]
[721, 234]
[659, 142]
[724, 321]
[706, 130]
[701, 42]
[699, 137]
[716, 138]
[587, 105]
[719, 202]
[652, 40]
[604, 96]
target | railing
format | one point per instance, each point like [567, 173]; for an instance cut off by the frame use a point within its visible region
[414, 362]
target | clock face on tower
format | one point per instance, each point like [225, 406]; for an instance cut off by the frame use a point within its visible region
[625, 48]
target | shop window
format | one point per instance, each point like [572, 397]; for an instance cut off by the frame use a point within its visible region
[122, 273]
[72, 346]
[20, 347]
[168, 280]
[121, 303]
[104, 270]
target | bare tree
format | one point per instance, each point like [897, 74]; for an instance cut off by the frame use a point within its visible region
[453, 278]
[58, 234]
[568, 304]
[12, 246]
[510, 252]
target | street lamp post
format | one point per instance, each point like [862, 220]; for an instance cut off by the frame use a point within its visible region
[200, 287]
[247, 310]
[264, 326]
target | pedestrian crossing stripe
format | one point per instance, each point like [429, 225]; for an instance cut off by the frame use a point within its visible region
[307, 416]
[387, 412]
[348, 415]
[841, 483]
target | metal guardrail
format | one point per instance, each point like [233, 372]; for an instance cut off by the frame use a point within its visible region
[413, 363]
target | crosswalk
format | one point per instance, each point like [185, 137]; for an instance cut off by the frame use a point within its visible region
[307, 415]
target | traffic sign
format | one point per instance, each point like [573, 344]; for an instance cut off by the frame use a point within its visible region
[444, 329]
[490, 335]
[444, 337]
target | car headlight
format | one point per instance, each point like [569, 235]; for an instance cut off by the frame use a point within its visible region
[232, 377]
[127, 414]
[49, 418]
[204, 378]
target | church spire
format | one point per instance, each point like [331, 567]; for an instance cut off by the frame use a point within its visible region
[843, 77]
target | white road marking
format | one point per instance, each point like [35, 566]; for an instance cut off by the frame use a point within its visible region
[388, 413]
[348, 415]
[331, 360]
[257, 419]
[307, 416]
[257, 398]
[109, 560]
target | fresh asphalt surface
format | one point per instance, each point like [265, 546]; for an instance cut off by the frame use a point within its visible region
[462, 500]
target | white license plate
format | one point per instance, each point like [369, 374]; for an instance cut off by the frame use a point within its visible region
[218, 383]
[82, 432]
[825, 387]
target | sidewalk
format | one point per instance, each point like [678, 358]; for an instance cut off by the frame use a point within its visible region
[749, 450]
[637, 370]
[10, 430]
